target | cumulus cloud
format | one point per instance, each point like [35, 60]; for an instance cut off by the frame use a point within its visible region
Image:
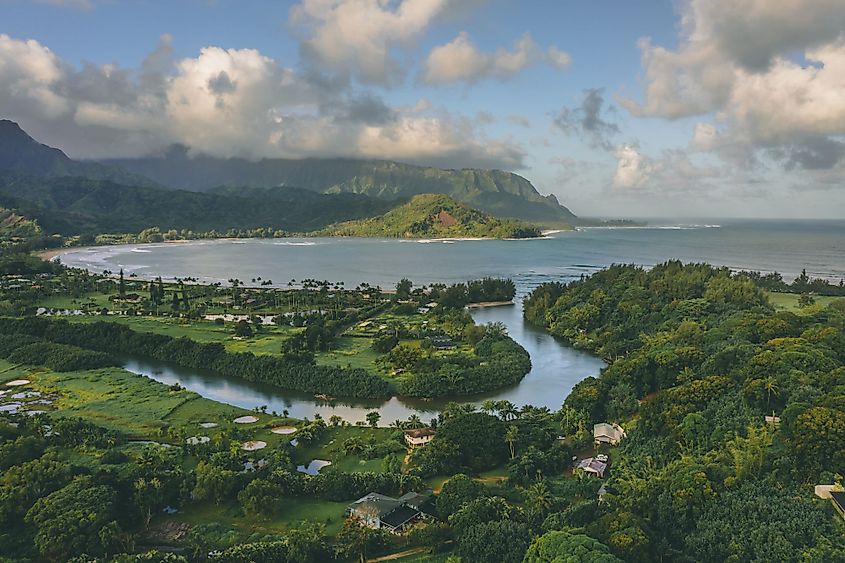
[587, 121]
[227, 102]
[633, 169]
[359, 36]
[672, 171]
[768, 72]
[29, 75]
[460, 60]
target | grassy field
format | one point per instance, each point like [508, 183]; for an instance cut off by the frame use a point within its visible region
[330, 447]
[789, 301]
[135, 405]
[291, 512]
[268, 341]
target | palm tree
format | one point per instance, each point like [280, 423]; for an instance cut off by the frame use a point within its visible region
[414, 421]
[770, 386]
[510, 438]
[507, 410]
[538, 497]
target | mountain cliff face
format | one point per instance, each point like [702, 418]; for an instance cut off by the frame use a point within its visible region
[205, 193]
[494, 191]
[20, 154]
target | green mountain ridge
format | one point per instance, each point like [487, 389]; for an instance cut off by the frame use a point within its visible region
[72, 206]
[493, 191]
[433, 216]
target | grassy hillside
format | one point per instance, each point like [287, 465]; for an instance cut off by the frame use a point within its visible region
[434, 216]
[494, 191]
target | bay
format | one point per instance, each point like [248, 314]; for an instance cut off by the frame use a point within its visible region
[783, 246]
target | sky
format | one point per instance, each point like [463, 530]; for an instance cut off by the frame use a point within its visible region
[676, 108]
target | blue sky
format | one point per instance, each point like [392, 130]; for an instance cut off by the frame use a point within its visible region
[664, 108]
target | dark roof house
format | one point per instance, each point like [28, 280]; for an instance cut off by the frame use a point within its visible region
[394, 514]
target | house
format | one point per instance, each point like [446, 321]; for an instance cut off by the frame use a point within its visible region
[606, 433]
[419, 436]
[393, 514]
[441, 342]
[838, 499]
[592, 466]
[835, 494]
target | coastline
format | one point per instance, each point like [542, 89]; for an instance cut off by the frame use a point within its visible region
[50, 254]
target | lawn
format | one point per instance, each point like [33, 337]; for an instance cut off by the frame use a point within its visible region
[330, 447]
[789, 301]
[292, 510]
[122, 401]
[351, 350]
[268, 341]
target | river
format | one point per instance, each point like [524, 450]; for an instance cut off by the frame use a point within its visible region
[783, 246]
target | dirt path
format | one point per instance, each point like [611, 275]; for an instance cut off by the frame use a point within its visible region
[400, 555]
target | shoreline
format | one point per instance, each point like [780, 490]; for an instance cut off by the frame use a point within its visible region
[49, 254]
[486, 304]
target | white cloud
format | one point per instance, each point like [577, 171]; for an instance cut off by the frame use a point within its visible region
[29, 74]
[358, 36]
[767, 72]
[227, 102]
[633, 170]
[460, 60]
[558, 58]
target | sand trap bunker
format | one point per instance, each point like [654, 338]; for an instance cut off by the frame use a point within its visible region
[253, 445]
[17, 382]
[208, 425]
[314, 467]
[283, 430]
[248, 419]
[26, 395]
[10, 407]
[33, 413]
[195, 440]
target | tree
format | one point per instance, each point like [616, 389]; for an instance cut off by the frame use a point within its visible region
[504, 542]
[356, 540]
[538, 497]
[147, 495]
[372, 418]
[68, 521]
[403, 288]
[242, 328]
[565, 546]
[261, 497]
[214, 483]
[456, 492]
[121, 284]
[510, 438]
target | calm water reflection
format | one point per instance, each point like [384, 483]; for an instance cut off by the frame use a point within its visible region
[555, 369]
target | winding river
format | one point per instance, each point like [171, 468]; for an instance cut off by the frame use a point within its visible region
[783, 246]
[555, 370]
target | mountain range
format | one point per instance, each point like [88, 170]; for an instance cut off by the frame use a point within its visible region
[202, 193]
[502, 193]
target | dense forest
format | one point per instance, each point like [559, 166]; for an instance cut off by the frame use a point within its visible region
[698, 358]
